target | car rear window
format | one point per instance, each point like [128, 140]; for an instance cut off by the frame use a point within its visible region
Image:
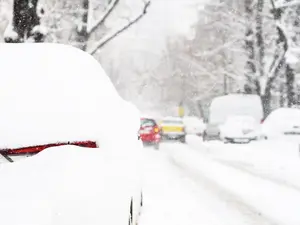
[179, 122]
[147, 122]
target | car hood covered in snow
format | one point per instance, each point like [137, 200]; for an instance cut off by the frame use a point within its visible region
[57, 93]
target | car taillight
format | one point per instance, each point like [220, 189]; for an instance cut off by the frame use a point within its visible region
[156, 129]
[39, 148]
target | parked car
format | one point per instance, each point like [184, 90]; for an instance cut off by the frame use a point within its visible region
[282, 123]
[172, 128]
[240, 129]
[59, 105]
[149, 132]
[193, 125]
[225, 106]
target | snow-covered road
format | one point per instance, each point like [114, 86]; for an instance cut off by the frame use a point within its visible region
[174, 195]
[191, 184]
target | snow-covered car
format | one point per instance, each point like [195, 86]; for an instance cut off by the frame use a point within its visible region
[282, 123]
[224, 106]
[240, 129]
[173, 128]
[58, 102]
[193, 125]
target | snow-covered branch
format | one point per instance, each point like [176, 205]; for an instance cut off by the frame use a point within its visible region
[284, 4]
[103, 18]
[216, 50]
[109, 37]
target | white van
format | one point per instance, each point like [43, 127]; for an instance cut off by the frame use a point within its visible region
[229, 105]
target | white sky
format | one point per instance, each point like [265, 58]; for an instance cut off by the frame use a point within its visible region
[164, 18]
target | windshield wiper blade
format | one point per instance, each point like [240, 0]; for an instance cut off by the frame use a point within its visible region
[6, 157]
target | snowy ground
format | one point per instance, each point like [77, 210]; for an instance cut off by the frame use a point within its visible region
[277, 161]
[198, 184]
[174, 196]
[222, 184]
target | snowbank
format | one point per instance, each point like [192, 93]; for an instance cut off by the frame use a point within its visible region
[55, 93]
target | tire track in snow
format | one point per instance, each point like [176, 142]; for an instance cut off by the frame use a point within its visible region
[275, 180]
[244, 167]
[251, 215]
[172, 197]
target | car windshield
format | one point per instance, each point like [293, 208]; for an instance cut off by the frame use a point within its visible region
[177, 122]
[240, 119]
[147, 122]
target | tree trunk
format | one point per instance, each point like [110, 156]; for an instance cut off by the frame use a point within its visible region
[266, 101]
[290, 78]
[259, 38]
[250, 68]
[82, 34]
[25, 22]
[282, 95]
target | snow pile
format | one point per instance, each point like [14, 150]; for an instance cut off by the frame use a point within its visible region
[55, 93]
[277, 202]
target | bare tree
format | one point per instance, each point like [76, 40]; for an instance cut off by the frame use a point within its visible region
[25, 24]
[250, 69]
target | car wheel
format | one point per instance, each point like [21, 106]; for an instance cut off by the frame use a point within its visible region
[182, 140]
[225, 141]
[142, 200]
[130, 220]
[204, 137]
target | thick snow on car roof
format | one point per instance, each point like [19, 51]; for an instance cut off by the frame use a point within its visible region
[55, 93]
[235, 104]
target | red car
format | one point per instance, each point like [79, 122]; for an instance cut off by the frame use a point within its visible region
[149, 132]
